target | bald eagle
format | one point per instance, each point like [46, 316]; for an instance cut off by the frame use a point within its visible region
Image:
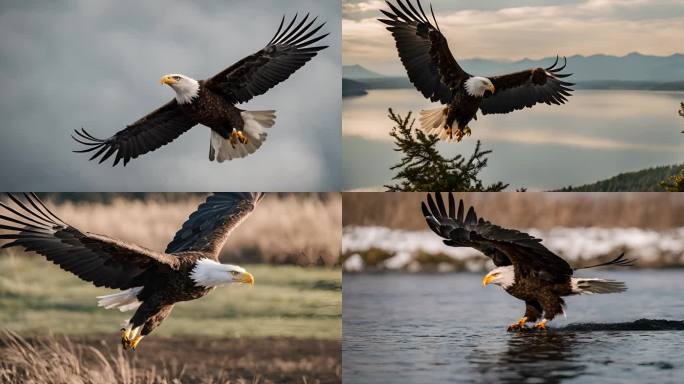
[433, 70]
[525, 268]
[235, 132]
[151, 282]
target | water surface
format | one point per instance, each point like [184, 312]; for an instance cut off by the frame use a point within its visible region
[597, 135]
[432, 328]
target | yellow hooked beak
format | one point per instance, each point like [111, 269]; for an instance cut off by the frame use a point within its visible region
[487, 279]
[246, 278]
[491, 88]
[167, 80]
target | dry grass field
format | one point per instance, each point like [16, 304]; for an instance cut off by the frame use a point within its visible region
[284, 229]
[526, 210]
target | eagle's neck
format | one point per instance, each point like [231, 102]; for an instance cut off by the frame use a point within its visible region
[186, 90]
[209, 273]
[507, 276]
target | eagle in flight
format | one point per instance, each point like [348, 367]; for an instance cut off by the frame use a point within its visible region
[235, 132]
[525, 268]
[151, 282]
[434, 71]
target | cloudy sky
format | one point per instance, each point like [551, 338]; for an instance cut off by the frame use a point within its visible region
[97, 64]
[508, 29]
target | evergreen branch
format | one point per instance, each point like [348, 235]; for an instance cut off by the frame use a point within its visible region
[423, 168]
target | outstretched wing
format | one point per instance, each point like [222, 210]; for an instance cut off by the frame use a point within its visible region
[527, 88]
[424, 51]
[207, 229]
[288, 50]
[147, 134]
[504, 246]
[98, 259]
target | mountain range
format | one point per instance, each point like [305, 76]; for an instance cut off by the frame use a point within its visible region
[631, 67]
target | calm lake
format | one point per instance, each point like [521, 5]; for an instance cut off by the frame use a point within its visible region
[597, 135]
[448, 328]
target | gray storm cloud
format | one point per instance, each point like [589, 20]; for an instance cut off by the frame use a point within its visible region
[97, 65]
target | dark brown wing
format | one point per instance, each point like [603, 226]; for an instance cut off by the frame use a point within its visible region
[424, 51]
[287, 51]
[504, 246]
[207, 229]
[527, 88]
[98, 259]
[147, 134]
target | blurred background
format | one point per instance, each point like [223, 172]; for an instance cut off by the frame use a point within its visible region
[287, 328]
[388, 231]
[97, 64]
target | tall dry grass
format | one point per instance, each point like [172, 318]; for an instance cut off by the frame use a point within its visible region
[526, 210]
[296, 229]
[53, 361]
[58, 360]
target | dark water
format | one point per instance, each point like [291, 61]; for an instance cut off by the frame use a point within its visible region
[597, 135]
[448, 328]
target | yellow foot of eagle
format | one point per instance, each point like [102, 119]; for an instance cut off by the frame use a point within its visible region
[457, 133]
[130, 338]
[541, 325]
[236, 136]
[461, 133]
[520, 324]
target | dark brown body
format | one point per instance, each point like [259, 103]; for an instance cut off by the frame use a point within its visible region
[166, 286]
[462, 109]
[540, 294]
[214, 111]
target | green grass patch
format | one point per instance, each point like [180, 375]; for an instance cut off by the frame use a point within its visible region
[36, 297]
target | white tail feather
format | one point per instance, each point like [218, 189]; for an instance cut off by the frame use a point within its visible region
[433, 122]
[255, 124]
[595, 286]
[124, 301]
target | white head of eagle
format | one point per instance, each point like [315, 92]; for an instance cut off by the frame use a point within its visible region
[476, 86]
[501, 276]
[209, 273]
[186, 87]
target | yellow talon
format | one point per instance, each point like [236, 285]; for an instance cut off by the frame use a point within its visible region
[236, 136]
[541, 325]
[130, 337]
[134, 342]
[461, 133]
[124, 337]
[520, 324]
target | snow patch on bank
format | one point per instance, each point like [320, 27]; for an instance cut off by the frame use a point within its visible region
[579, 246]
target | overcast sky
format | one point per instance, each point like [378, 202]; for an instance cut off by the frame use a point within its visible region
[507, 29]
[97, 64]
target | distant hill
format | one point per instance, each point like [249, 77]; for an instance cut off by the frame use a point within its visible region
[632, 67]
[357, 72]
[353, 88]
[631, 85]
[646, 180]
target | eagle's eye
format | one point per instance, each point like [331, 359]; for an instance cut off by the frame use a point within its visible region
[234, 273]
[176, 78]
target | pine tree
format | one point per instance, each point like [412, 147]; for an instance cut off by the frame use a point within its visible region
[675, 183]
[423, 168]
